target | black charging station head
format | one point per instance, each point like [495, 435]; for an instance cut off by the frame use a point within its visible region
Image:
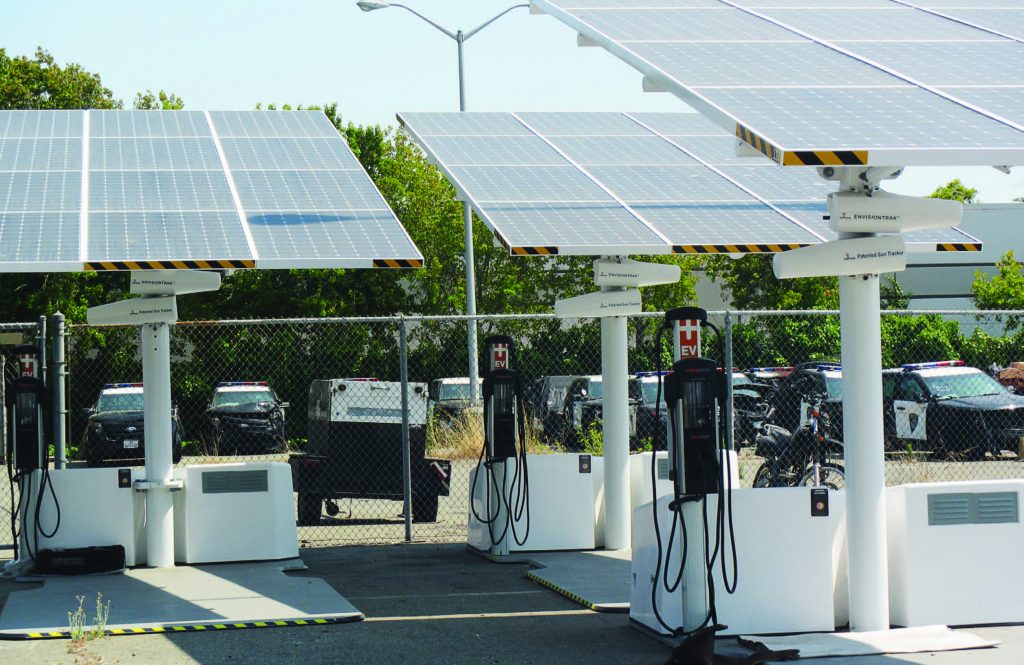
[686, 314]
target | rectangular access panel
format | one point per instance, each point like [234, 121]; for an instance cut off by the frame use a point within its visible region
[953, 548]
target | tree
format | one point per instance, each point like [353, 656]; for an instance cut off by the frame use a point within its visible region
[1004, 290]
[40, 83]
[161, 101]
[954, 190]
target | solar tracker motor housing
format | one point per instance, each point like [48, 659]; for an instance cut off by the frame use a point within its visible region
[883, 212]
[630, 273]
[173, 282]
[868, 255]
[600, 303]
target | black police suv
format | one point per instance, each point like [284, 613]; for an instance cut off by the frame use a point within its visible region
[246, 417]
[116, 428]
[947, 408]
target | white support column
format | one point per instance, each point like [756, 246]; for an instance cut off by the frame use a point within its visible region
[156, 378]
[860, 326]
[614, 367]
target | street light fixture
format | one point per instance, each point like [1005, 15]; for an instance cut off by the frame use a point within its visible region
[460, 38]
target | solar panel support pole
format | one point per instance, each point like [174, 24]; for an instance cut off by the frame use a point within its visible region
[614, 368]
[156, 377]
[861, 342]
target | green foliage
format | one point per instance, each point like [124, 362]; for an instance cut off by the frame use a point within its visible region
[954, 190]
[161, 101]
[40, 83]
[892, 295]
[592, 438]
[1004, 290]
[751, 285]
[78, 625]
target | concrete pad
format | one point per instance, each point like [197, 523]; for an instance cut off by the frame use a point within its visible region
[180, 599]
[597, 579]
[921, 639]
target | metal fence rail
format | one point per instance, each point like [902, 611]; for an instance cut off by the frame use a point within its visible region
[951, 425]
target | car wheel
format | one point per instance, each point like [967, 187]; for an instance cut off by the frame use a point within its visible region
[309, 509]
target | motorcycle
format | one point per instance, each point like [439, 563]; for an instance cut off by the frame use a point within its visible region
[808, 456]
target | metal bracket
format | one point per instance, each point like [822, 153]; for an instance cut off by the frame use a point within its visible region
[147, 485]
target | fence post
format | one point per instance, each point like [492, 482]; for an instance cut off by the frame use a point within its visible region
[403, 356]
[41, 343]
[60, 409]
[730, 427]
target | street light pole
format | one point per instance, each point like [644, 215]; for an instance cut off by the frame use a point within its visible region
[460, 38]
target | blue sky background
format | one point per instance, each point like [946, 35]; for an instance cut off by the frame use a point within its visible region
[232, 54]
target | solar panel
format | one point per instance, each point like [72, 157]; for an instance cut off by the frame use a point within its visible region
[614, 183]
[188, 189]
[870, 82]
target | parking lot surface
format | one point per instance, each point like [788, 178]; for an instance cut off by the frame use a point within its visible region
[431, 604]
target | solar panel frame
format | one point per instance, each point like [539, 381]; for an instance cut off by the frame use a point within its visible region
[129, 190]
[748, 120]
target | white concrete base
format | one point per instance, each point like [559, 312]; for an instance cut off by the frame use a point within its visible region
[94, 512]
[792, 575]
[954, 574]
[234, 512]
[564, 513]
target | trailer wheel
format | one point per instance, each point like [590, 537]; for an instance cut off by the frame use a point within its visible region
[424, 508]
[309, 509]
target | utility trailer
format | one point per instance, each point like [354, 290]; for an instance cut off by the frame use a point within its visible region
[354, 449]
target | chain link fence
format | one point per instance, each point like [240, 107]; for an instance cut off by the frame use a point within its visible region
[300, 390]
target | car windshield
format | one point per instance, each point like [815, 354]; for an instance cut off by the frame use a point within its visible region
[834, 386]
[650, 389]
[237, 397]
[594, 390]
[454, 391]
[120, 402]
[974, 384]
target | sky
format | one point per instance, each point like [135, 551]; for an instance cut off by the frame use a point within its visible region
[233, 54]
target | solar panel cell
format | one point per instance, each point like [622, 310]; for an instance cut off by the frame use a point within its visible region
[683, 25]
[486, 150]
[949, 63]
[40, 191]
[526, 183]
[140, 124]
[306, 190]
[40, 124]
[668, 183]
[269, 124]
[719, 223]
[647, 150]
[566, 225]
[288, 153]
[876, 24]
[581, 124]
[153, 154]
[152, 191]
[478, 124]
[155, 236]
[41, 154]
[37, 237]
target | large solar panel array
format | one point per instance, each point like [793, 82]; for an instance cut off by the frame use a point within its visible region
[811, 82]
[642, 183]
[129, 190]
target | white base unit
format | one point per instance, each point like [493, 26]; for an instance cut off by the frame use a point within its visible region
[564, 491]
[234, 512]
[95, 510]
[953, 552]
[791, 565]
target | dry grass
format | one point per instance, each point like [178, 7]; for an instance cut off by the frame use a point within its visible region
[463, 437]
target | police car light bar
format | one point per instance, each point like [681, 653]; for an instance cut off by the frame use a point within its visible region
[938, 363]
[829, 367]
[121, 385]
[641, 375]
[242, 383]
[769, 369]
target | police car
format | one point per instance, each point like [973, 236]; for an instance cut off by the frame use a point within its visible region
[116, 427]
[822, 379]
[246, 417]
[947, 408]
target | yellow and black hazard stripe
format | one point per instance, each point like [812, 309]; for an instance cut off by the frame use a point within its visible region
[736, 249]
[227, 264]
[802, 157]
[959, 247]
[535, 251]
[194, 627]
[397, 263]
[557, 589]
